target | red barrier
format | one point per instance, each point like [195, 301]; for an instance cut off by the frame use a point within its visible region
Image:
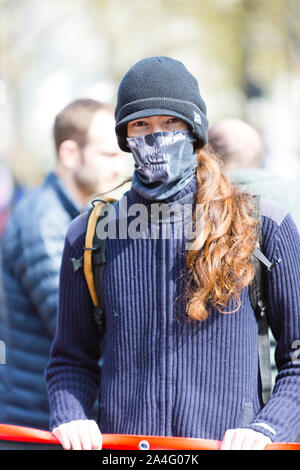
[125, 441]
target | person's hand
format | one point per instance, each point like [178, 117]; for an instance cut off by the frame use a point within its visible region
[81, 434]
[244, 439]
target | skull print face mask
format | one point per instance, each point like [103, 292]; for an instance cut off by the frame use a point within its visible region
[164, 163]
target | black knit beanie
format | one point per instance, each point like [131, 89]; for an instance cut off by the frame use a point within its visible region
[160, 86]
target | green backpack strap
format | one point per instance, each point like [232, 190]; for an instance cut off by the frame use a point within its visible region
[261, 265]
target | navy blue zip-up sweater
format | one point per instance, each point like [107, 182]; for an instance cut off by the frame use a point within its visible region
[163, 374]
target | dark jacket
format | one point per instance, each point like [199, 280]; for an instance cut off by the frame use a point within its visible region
[31, 256]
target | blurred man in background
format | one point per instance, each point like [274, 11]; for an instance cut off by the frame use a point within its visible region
[241, 150]
[87, 163]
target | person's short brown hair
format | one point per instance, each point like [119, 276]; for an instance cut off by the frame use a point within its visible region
[73, 121]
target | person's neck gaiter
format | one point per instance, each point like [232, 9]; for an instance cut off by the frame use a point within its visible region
[164, 163]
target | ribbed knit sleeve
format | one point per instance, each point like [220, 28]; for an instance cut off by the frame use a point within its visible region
[280, 418]
[72, 373]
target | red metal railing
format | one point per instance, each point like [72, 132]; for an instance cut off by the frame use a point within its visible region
[124, 441]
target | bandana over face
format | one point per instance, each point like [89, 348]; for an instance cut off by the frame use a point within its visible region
[164, 163]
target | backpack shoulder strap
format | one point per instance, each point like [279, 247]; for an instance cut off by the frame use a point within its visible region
[94, 260]
[94, 255]
[88, 250]
[257, 297]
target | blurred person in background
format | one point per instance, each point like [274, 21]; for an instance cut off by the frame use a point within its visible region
[10, 193]
[87, 163]
[241, 150]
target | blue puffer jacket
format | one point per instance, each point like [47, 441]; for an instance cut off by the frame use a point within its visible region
[31, 256]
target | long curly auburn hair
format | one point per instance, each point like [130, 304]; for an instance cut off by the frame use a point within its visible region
[218, 258]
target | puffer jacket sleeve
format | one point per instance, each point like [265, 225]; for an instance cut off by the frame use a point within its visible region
[36, 251]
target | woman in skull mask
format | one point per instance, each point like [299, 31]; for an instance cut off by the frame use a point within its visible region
[181, 337]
